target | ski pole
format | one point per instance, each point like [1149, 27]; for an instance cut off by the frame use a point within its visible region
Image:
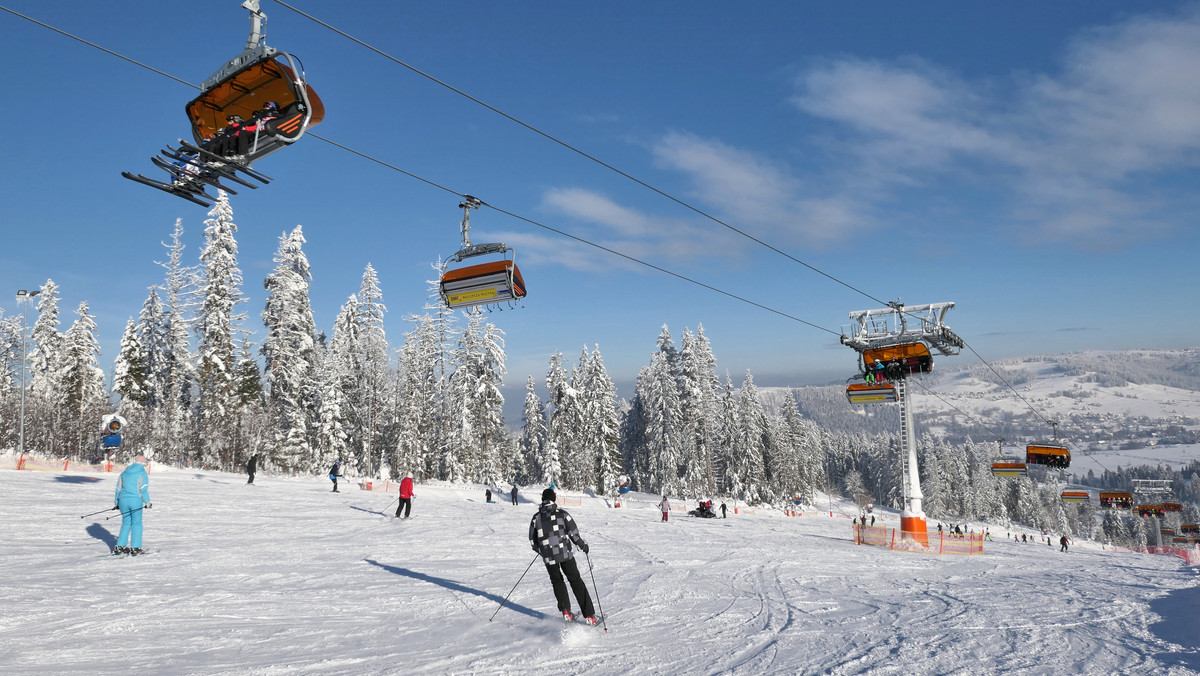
[603, 619]
[100, 512]
[124, 513]
[510, 591]
[385, 509]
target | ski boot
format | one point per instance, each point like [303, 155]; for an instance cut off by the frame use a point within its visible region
[568, 616]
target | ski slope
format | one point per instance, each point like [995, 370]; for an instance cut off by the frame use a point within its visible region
[285, 577]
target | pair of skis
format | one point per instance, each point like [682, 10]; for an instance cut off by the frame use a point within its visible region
[193, 169]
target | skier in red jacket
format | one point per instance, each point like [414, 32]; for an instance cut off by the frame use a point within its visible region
[406, 494]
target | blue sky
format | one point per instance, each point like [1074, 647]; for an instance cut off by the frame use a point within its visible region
[1035, 163]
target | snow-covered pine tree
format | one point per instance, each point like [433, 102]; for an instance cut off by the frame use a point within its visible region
[373, 378]
[561, 408]
[729, 480]
[570, 424]
[752, 443]
[48, 346]
[253, 429]
[171, 357]
[419, 400]
[83, 401]
[602, 424]
[289, 351]
[477, 403]
[699, 400]
[660, 396]
[533, 436]
[131, 373]
[220, 293]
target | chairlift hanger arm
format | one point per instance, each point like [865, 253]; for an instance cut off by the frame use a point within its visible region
[256, 48]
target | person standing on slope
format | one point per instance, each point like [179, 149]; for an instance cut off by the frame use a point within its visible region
[334, 473]
[406, 495]
[132, 498]
[252, 467]
[514, 494]
[1063, 541]
[551, 532]
[665, 507]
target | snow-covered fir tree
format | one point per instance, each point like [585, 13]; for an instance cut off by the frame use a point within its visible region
[289, 351]
[750, 458]
[131, 373]
[220, 293]
[602, 424]
[83, 400]
[371, 403]
[46, 355]
[533, 436]
[172, 362]
[476, 403]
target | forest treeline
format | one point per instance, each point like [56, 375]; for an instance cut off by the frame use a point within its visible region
[196, 389]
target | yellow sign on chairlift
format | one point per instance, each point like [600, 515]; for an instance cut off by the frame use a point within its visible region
[471, 296]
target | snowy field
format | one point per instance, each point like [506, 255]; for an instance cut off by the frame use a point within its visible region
[286, 577]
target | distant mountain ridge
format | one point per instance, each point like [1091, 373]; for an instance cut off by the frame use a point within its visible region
[1100, 400]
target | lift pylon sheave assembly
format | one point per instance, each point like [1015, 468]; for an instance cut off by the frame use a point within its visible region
[487, 284]
[894, 343]
[255, 104]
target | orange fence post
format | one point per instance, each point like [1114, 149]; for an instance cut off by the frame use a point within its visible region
[21, 462]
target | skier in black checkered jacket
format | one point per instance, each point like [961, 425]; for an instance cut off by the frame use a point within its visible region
[551, 533]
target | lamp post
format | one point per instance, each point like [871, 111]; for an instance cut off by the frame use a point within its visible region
[23, 297]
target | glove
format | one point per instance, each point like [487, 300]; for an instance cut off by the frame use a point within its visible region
[584, 547]
[148, 505]
[116, 506]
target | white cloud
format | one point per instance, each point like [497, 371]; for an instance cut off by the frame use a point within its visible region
[1079, 152]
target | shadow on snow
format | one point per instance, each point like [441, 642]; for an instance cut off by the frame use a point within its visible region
[458, 587]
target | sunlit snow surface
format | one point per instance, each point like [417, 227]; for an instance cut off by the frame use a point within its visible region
[285, 577]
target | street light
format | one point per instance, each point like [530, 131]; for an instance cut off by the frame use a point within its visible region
[23, 297]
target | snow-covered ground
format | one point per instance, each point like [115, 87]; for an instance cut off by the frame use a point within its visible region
[285, 577]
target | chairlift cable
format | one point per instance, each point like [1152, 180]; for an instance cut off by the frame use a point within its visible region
[103, 49]
[624, 174]
[578, 151]
[462, 195]
[530, 221]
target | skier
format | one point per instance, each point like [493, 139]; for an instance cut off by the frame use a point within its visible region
[665, 507]
[551, 532]
[723, 510]
[488, 495]
[334, 473]
[406, 495]
[132, 497]
[251, 467]
[1063, 541]
[514, 494]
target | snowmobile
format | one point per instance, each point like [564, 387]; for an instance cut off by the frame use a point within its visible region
[704, 511]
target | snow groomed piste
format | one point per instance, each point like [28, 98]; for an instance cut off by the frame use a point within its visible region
[286, 578]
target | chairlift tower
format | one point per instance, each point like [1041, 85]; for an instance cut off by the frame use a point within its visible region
[901, 334]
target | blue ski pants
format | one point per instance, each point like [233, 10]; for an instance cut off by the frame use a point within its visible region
[131, 522]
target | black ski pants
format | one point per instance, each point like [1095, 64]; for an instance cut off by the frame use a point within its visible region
[571, 570]
[405, 504]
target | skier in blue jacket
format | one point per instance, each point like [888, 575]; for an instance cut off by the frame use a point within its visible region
[132, 497]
